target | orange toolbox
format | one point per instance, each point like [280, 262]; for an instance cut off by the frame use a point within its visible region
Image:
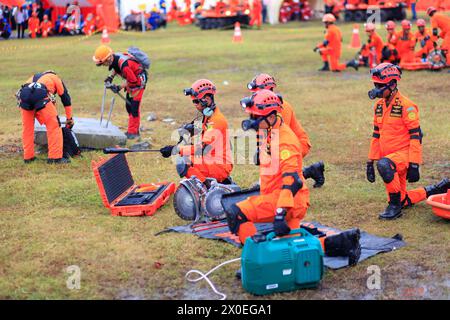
[121, 195]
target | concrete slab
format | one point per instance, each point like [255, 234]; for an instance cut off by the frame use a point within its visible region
[89, 133]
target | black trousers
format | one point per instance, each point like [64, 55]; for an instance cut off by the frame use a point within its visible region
[21, 30]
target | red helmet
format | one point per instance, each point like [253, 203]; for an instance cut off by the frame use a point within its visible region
[369, 26]
[390, 25]
[262, 81]
[406, 24]
[262, 103]
[385, 73]
[200, 88]
[430, 11]
[421, 23]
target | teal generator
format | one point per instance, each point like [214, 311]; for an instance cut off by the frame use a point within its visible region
[282, 264]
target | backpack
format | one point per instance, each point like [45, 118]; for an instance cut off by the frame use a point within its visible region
[71, 148]
[140, 57]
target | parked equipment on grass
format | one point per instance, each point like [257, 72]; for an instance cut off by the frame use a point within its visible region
[271, 264]
[224, 15]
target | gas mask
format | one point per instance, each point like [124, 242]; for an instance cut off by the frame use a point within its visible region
[378, 91]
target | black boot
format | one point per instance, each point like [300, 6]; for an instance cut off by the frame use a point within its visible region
[27, 161]
[315, 172]
[238, 274]
[58, 161]
[354, 64]
[344, 244]
[394, 209]
[440, 187]
[326, 67]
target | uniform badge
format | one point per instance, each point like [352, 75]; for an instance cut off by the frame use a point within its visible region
[285, 154]
[412, 116]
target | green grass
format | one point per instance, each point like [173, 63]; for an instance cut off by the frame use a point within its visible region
[52, 217]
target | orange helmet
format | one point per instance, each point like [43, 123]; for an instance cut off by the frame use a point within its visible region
[329, 18]
[390, 25]
[421, 23]
[369, 27]
[262, 103]
[406, 24]
[431, 10]
[385, 73]
[101, 54]
[262, 81]
[200, 88]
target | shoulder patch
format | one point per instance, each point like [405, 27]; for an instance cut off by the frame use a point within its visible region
[412, 116]
[285, 154]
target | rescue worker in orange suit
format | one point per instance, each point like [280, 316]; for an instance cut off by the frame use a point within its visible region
[33, 24]
[46, 27]
[406, 43]
[314, 171]
[442, 22]
[424, 39]
[256, 14]
[89, 25]
[135, 76]
[389, 52]
[330, 48]
[36, 102]
[371, 52]
[284, 196]
[209, 156]
[396, 143]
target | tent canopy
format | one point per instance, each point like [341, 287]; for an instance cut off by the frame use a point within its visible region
[13, 3]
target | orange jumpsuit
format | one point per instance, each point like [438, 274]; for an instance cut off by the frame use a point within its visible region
[405, 47]
[33, 26]
[442, 22]
[288, 115]
[332, 51]
[428, 47]
[47, 116]
[280, 156]
[89, 27]
[372, 50]
[46, 28]
[397, 137]
[216, 161]
[256, 13]
[391, 45]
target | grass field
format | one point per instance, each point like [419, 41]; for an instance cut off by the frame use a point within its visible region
[52, 217]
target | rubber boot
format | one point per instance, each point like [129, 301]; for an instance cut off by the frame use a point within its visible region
[440, 187]
[58, 161]
[354, 64]
[238, 274]
[344, 244]
[326, 67]
[394, 208]
[315, 172]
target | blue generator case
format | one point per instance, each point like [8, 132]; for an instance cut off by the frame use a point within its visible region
[282, 264]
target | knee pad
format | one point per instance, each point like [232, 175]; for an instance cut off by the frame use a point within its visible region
[235, 218]
[181, 167]
[386, 168]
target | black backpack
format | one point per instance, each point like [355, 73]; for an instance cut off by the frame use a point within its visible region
[71, 148]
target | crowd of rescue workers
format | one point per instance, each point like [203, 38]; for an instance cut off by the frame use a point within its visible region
[395, 148]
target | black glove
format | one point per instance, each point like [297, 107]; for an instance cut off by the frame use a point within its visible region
[280, 226]
[315, 49]
[256, 158]
[166, 151]
[115, 88]
[370, 172]
[109, 79]
[413, 174]
[69, 123]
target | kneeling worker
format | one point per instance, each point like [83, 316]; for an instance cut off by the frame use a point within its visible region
[211, 157]
[396, 143]
[36, 100]
[284, 196]
[314, 171]
[135, 76]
